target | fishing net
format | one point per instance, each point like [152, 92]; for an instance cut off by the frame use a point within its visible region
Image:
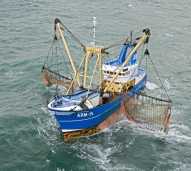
[57, 68]
[50, 77]
[150, 109]
[149, 112]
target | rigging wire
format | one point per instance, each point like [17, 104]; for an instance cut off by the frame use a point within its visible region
[50, 49]
[75, 37]
[117, 43]
[157, 73]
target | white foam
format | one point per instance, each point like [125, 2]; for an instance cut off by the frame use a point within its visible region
[130, 5]
[179, 133]
[169, 35]
[151, 86]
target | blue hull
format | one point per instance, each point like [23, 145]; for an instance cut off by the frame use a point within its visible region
[86, 118]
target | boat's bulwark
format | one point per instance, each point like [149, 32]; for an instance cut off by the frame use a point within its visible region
[84, 119]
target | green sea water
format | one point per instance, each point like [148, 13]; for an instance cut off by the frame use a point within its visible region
[29, 139]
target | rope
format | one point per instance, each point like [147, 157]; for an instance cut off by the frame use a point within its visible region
[57, 74]
[49, 50]
[75, 38]
[158, 75]
[120, 42]
[156, 98]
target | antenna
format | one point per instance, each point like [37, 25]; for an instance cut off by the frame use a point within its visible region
[94, 31]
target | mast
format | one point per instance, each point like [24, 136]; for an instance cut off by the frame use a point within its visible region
[96, 53]
[58, 27]
[92, 52]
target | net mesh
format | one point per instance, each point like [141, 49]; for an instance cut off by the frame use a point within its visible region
[151, 112]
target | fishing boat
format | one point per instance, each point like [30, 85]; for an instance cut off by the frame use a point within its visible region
[99, 93]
